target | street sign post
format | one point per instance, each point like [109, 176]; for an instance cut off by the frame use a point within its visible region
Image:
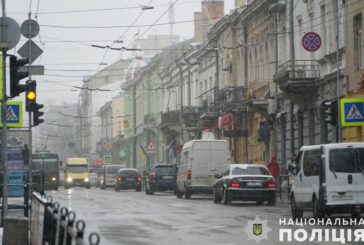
[14, 114]
[311, 41]
[352, 112]
[35, 51]
[107, 159]
[29, 28]
[12, 33]
[151, 149]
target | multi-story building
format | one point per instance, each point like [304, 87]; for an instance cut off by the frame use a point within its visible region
[355, 61]
[307, 79]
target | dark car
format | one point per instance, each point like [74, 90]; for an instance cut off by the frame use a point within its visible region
[161, 178]
[128, 178]
[245, 182]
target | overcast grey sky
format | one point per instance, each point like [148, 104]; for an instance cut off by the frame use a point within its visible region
[66, 49]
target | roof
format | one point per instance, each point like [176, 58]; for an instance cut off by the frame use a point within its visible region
[189, 143]
[333, 145]
[77, 160]
[245, 165]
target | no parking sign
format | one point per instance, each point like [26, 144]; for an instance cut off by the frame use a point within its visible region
[311, 41]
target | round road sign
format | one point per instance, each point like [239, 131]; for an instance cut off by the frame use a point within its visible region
[12, 32]
[311, 41]
[30, 28]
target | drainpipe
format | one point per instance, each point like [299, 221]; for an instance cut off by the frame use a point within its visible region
[245, 116]
[134, 129]
[181, 101]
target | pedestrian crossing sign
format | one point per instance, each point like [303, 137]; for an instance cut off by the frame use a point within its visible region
[352, 112]
[14, 114]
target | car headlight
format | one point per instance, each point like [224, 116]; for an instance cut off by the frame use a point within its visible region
[86, 180]
[54, 178]
[69, 179]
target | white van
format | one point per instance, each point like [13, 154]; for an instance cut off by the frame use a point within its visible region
[201, 160]
[108, 175]
[329, 179]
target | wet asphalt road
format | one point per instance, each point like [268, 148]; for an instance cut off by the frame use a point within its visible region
[129, 217]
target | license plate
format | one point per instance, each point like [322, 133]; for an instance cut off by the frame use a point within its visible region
[167, 177]
[254, 184]
[342, 196]
[129, 179]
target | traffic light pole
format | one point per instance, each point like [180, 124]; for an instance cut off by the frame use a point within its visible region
[4, 206]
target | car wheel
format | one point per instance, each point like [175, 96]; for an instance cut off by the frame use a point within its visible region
[226, 198]
[317, 214]
[260, 202]
[216, 198]
[66, 187]
[272, 201]
[295, 212]
[103, 187]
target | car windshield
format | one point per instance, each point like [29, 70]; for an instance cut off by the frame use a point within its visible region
[349, 160]
[46, 164]
[165, 169]
[77, 168]
[112, 169]
[128, 173]
[249, 171]
[93, 176]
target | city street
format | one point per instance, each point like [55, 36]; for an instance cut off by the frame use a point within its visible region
[129, 217]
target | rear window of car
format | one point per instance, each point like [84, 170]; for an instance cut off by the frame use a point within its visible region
[165, 169]
[128, 173]
[112, 169]
[250, 171]
[348, 160]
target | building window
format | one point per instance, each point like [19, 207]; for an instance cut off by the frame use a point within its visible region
[358, 37]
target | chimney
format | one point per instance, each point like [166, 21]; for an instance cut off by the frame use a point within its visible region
[198, 27]
[212, 11]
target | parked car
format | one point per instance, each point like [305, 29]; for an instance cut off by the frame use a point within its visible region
[161, 178]
[94, 180]
[128, 178]
[200, 161]
[329, 179]
[245, 182]
[108, 175]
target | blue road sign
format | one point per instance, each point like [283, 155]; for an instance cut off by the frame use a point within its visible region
[14, 114]
[352, 112]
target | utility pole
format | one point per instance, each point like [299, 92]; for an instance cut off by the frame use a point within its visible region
[30, 179]
[338, 82]
[292, 58]
[4, 46]
[134, 128]
[181, 101]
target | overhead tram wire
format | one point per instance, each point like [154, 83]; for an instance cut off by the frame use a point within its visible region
[154, 23]
[135, 20]
[77, 11]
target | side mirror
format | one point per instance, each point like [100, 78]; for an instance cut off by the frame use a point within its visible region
[217, 176]
[60, 163]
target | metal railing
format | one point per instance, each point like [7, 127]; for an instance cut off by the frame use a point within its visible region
[299, 70]
[52, 224]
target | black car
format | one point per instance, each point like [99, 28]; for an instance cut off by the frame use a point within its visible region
[128, 178]
[245, 182]
[161, 178]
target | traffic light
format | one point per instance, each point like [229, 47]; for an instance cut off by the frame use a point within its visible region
[15, 76]
[330, 110]
[31, 96]
[37, 114]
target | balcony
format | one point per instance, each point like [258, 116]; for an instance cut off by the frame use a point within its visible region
[150, 119]
[170, 118]
[233, 99]
[190, 116]
[297, 77]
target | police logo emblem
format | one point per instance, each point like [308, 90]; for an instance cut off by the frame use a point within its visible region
[257, 229]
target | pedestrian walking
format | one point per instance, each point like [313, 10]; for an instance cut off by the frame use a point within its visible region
[273, 167]
[25, 155]
[291, 164]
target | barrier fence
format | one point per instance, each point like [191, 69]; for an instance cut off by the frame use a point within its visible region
[52, 224]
